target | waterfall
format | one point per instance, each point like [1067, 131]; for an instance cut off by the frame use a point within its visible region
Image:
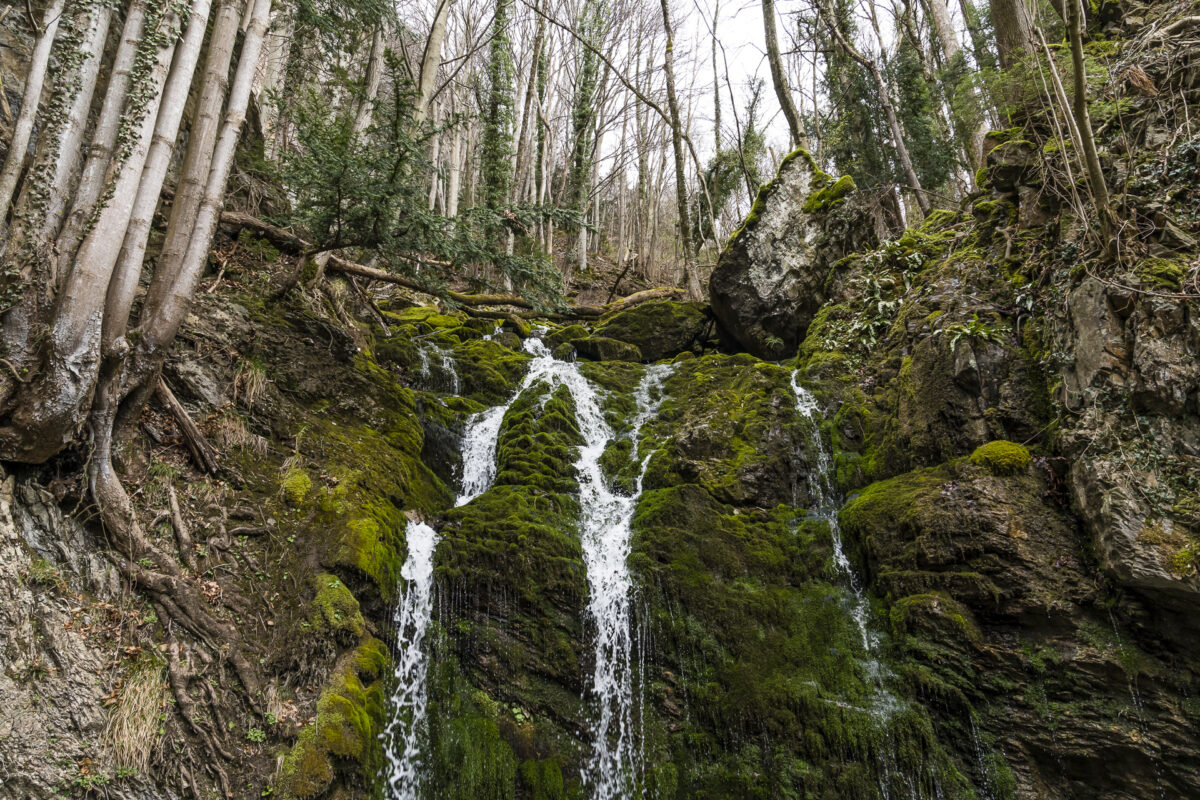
[449, 372]
[405, 729]
[825, 506]
[449, 368]
[606, 536]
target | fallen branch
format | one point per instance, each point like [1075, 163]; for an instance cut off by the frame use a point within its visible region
[473, 304]
[182, 535]
[203, 453]
[637, 298]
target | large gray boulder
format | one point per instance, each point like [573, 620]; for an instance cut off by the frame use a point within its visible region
[771, 277]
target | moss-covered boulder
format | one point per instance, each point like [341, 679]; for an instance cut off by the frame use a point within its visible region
[729, 424]
[602, 348]
[1002, 458]
[998, 623]
[771, 277]
[659, 329]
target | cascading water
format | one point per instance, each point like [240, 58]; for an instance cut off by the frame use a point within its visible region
[605, 543]
[825, 502]
[448, 379]
[405, 730]
[606, 536]
[825, 506]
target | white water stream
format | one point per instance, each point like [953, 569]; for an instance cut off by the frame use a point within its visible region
[825, 506]
[605, 537]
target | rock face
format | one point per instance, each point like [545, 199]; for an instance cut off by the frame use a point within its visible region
[1136, 354]
[57, 643]
[771, 277]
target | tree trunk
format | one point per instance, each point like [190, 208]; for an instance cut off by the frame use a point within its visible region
[100, 152]
[1083, 121]
[52, 406]
[202, 138]
[431, 59]
[166, 308]
[373, 78]
[939, 16]
[778, 77]
[695, 291]
[18, 147]
[165, 313]
[716, 19]
[49, 185]
[124, 282]
[1014, 30]
[889, 108]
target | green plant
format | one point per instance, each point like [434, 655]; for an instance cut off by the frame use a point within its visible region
[975, 329]
[256, 735]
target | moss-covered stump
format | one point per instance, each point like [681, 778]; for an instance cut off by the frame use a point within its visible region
[660, 329]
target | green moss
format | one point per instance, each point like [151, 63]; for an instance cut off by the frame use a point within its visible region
[722, 410]
[567, 334]
[828, 196]
[993, 139]
[430, 315]
[601, 348]
[295, 486]
[543, 780]
[1163, 273]
[767, 655]
[1002, 458]
[488, 371]
[343, 743]
[375, 474]
[336, 610]
[658, 329]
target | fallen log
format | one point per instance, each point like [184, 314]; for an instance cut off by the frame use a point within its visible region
[660, 293]
[474, 304]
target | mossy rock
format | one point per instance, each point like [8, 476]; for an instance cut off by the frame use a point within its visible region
[1002, 458]
[336, 611]
[750, 632]
[728, 423]
[659, 329]
[342, 745]
[601, 348]
[827, 196]
[432, 316]
[489, 371]
[295, 486]
[570, 333]
[1163, 273]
